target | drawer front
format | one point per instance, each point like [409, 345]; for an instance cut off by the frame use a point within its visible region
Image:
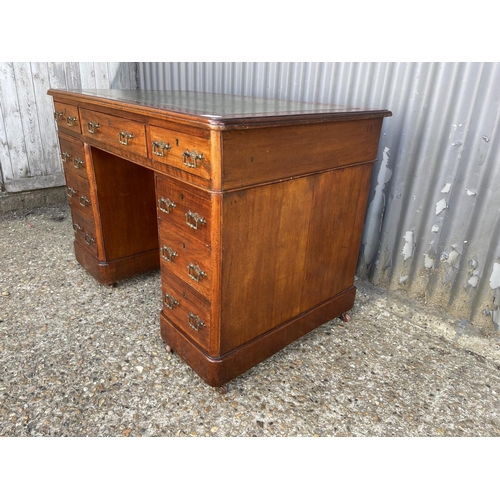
[78, 192]
[84, 230]
[122, 133]
[267, 154]
[184, 207]
[184, 151]
[186, 309]
[73, 156]
[66, 117]
[186, 257]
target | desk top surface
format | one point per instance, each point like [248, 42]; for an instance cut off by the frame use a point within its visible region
[220, 108]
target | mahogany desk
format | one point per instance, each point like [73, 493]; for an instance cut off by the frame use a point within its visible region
[252, 208]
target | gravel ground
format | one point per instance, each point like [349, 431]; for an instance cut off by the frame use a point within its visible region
[81, 359]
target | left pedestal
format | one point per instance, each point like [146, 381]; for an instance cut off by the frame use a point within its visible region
[112, 202]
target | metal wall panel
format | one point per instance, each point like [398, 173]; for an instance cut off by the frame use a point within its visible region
[433, 222]
[28, 136]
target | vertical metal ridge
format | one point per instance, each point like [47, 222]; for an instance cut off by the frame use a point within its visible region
[427, 203]
[399, 150]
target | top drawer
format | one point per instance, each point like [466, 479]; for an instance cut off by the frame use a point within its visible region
[123, 133]
[184, 151]
[67, 117]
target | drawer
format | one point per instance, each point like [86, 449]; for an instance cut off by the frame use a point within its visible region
[84, 230]
[73, 155]
[184, 151]
[267, 154]
[66, 117]
[184, 207]
[78, 192]
[128, 135]
[186, 257]
[186, 309]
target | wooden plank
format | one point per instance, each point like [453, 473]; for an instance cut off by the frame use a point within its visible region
[13, 125]
[101, 75]
[87, 75]
[28, 135]
[31, 183]
[73, 80]
[5, 162]
[29, 118]
[57, 75]
[48, 129]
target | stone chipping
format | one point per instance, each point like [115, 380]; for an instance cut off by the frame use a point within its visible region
[81, 359]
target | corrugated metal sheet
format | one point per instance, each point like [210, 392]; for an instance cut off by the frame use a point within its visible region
[433, 221]
[29, 149]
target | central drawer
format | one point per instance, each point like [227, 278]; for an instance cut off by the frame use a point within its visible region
[128, 135]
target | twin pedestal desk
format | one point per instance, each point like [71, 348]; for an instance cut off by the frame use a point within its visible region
[252, 208]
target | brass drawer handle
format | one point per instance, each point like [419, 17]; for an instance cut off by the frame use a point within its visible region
[170, 301]
[167, 253]
[70, 120]
[195, 272]
[195, 321]
[159, 148]
[77, 227]
[58, 115]
[124, 138]
[89, 239]
[77, 163]
[191, 154]
[165, 205]
[84, 201]
[65, 156]
[93, 127]
[71, 192]
[197, 219]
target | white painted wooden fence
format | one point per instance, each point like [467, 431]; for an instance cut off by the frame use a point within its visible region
[29, 150]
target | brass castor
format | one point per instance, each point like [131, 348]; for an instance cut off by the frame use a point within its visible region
[222, 389]
[345, 317]
[168, 348]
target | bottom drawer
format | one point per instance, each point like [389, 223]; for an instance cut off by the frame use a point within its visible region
[84, 230]
[187, 309]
